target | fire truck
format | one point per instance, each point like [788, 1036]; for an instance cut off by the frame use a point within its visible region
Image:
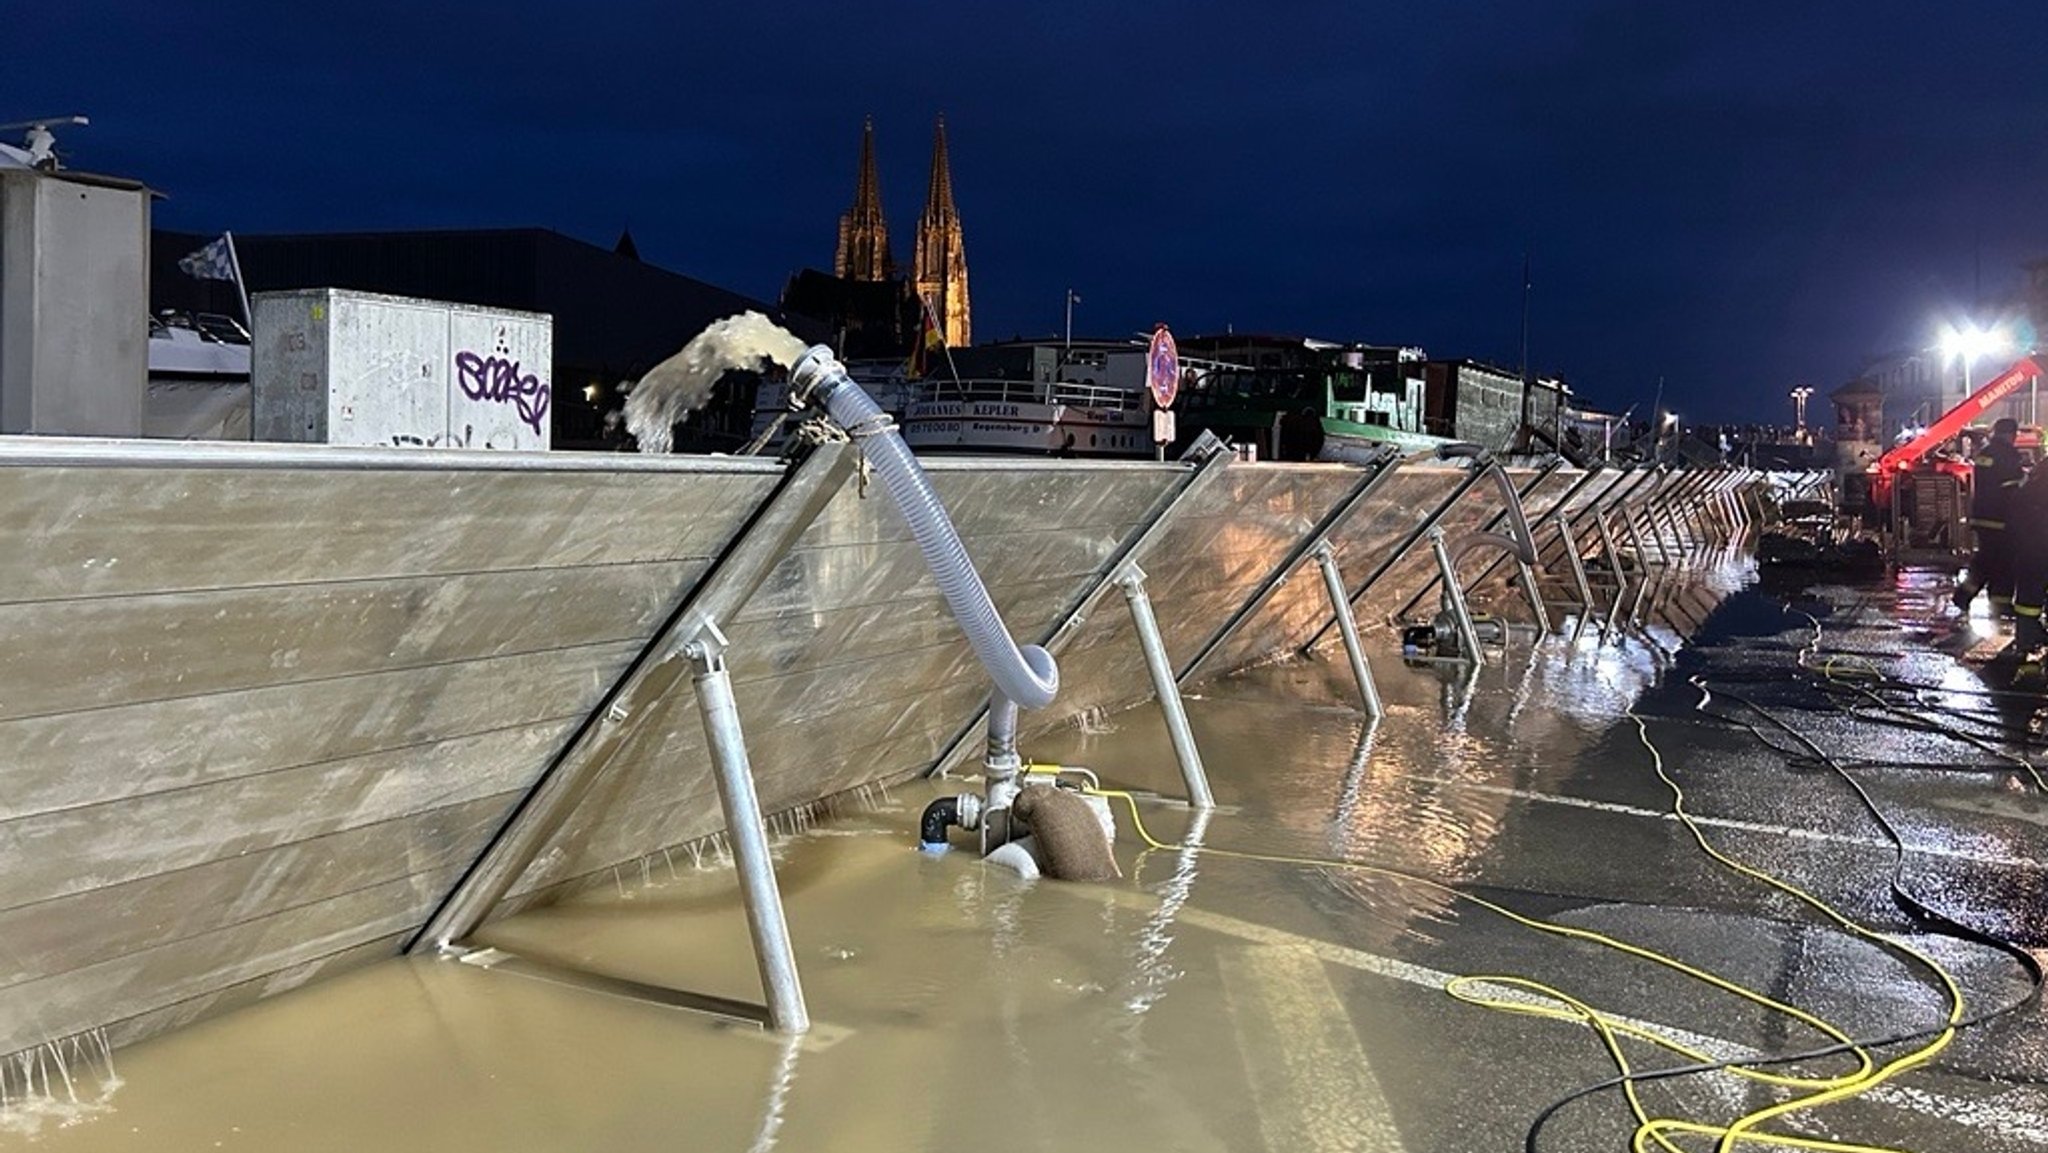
[1927, 501]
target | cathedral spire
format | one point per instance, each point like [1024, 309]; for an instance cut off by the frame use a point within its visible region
[938, 202]
[940, 261]
[863, 234]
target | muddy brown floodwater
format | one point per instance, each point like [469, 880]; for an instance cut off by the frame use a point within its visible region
[1202, 1002]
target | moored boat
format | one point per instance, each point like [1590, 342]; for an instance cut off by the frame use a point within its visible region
[1057, 418]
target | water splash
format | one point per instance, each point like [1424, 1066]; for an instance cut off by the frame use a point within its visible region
[681, 384]
[62, 1083]
[1094, 721]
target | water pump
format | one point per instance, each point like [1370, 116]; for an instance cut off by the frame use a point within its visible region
[1440, 636]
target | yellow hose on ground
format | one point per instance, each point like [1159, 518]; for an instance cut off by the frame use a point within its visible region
[1563, 1006]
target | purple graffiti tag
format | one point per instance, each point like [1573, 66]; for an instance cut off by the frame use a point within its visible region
[495, 378]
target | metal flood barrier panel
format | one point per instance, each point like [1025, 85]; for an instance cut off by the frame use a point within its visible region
[1389, 519]
[1224, 536]
[1539, 490]
[263, 707]
[846, 664]
[1415, 568]
[260, 707]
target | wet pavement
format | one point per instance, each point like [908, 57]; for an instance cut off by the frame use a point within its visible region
[1213, 1001]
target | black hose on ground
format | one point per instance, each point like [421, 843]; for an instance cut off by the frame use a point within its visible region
[1915, 909]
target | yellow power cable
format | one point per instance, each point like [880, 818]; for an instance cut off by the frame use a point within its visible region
[1658, 1130]
[1743, 1128]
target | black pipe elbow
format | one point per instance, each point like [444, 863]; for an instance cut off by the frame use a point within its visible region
[939, 816]
[1460, 450]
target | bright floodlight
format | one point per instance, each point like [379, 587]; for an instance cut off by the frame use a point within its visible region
[1670, 418]
[1971, 342]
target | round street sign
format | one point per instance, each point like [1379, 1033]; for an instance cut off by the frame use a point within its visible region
[1162, 367]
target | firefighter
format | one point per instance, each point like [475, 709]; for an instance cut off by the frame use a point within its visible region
[2027, 516]
[1998, 471]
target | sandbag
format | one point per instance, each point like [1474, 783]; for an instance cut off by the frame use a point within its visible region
[1070, 836]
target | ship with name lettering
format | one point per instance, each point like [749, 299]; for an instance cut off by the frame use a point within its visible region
[1050, 398]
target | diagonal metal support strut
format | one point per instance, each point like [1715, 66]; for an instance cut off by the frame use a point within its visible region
[653, 674]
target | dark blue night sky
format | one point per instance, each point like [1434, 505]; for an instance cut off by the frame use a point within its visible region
[1737, 197]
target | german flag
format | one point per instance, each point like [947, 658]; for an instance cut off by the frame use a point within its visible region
[928, 341]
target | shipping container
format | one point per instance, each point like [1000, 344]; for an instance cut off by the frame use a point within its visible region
[334, 366]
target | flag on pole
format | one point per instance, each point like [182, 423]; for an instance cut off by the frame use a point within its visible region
[219, 261]
[213, 262]
[929, 340]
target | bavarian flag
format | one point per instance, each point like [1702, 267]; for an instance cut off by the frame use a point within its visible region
[928, 341]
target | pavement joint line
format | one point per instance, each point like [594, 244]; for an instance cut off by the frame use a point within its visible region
[1318, 1092]
[2014, 1121]
[1985, 858]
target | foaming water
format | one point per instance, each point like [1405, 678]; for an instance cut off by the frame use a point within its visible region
[681, 384]
[57, 1084]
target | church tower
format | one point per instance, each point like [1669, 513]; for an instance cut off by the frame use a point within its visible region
[939, 269]
[863, 234]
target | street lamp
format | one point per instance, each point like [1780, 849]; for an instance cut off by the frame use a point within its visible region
[1968, 344]
[1799, 396]
[1671, 424]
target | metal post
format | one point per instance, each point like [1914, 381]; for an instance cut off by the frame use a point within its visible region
[1337, 517]
[1132, 581]
[1347, 627]
[1678, 535]
[1715, 516]
[1578, 567]
[1607, 546]
[1214, 460]
[1493, 523]
[804, 493]
[1687, 509]
[1701, 513]
[1725, 514]
[1686, 524]
[1658, 513]
[241, 285]
[1653, 532]
[1395, 555]
[1535, 595]
[1628, 517]
[736, 796]
[1565, 505]
[1591, 507]
[1684, 508]
[1455, 595]
[1628, 522]
[1704, 512]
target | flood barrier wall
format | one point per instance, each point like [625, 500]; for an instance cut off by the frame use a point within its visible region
[262, 706]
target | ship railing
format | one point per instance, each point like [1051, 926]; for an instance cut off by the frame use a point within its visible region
[1034, 392]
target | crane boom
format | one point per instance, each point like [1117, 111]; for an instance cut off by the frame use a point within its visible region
[1955, 420]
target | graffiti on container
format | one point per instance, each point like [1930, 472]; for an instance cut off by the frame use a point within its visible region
[497, 379]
